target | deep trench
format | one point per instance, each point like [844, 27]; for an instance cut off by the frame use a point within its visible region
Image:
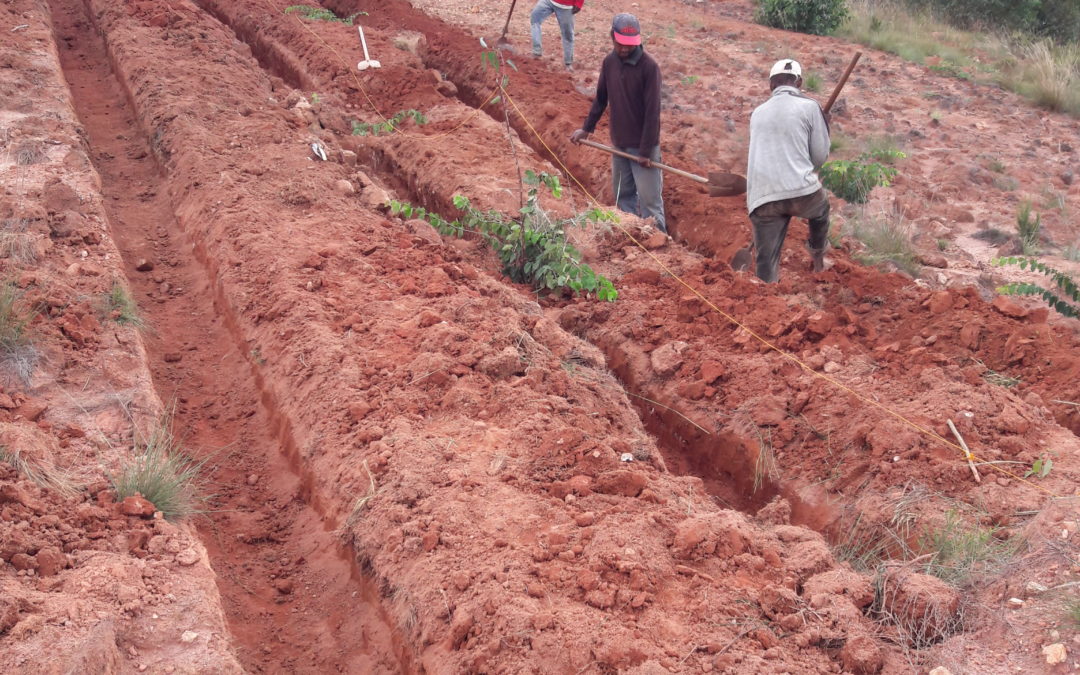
[727, 464]
[263, 531]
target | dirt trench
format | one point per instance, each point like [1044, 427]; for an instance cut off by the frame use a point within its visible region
[294, 598]
[429, 400]
[725, 461]
[554, 108]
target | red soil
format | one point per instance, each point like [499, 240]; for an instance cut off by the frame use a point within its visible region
[409, 449]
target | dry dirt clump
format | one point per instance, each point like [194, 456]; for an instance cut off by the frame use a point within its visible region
[86, 584]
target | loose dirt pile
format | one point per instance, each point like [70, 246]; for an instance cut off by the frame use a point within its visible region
[506, 502]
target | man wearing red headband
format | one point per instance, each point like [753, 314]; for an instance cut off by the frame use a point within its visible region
[630, 81]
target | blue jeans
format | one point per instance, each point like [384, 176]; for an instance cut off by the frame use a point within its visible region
[639, 190]
[544, 9]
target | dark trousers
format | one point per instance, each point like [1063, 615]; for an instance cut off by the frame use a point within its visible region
[770, 228]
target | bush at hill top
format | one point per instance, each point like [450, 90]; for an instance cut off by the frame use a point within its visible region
[819, 17]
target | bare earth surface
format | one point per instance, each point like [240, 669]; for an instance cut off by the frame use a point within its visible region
[415, 465]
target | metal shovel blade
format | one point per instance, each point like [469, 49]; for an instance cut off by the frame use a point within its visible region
[726, 184]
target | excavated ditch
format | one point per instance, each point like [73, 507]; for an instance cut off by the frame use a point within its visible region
[726, 463]
[294, 597]
[455, 433]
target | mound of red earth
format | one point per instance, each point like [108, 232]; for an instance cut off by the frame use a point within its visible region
[86, 584]
[510, 504]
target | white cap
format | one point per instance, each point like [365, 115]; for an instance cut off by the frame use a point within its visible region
[786, 67]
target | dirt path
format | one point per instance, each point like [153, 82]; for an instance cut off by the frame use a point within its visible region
[293, 601]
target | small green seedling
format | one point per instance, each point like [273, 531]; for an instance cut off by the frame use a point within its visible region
[1040, 468]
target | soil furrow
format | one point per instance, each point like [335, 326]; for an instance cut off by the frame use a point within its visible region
[293, 599]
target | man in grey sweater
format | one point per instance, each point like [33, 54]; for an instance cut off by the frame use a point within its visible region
[789, 141]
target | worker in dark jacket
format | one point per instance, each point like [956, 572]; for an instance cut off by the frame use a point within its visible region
[564, 11]
[630, 81]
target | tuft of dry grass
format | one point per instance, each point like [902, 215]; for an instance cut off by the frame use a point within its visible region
[46, 474]
[164, 473]
[1043, 71]
[17, 352]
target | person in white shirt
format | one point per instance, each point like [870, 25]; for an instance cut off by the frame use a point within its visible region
[564, 11]
[789, 141]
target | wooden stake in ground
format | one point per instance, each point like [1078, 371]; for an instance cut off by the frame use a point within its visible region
[967, 453]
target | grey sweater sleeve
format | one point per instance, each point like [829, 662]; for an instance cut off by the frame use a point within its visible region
[819, 139]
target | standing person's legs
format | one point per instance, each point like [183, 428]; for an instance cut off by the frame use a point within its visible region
[770, 229]
[622, 182]
[542, 11]
[816, 211]
[650, 188]
[566, 26]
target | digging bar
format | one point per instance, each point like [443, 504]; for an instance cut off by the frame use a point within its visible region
[742, 258]
[503, 42]
[719, 184]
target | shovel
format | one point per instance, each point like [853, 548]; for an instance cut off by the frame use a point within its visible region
[503, 42]
[742, 258]
[368, 62]
[719, 184]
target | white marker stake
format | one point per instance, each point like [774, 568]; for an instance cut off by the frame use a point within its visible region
[368, 62]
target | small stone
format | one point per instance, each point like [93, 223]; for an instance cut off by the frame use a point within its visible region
[657, 240]
[585, 519]
[144, 265]
[831, 367]
[253, 479]
[136, 505]
[189, 636]
[283, 586]
[344, 187]
[22, 562]
[940, 670]
[460, 579]
[50, 560]
[173, 357]
[1015, 603]
[1055, 653]
[1034, 587]
[187, 557]
[1009, 307]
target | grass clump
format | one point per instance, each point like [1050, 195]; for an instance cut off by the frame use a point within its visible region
[121, 307]
[17, 351]
[322, 14]
[16, 243]
[1072, 611]
[45, 474]
[1042, 70]
[164, 474]
[1028, 226]
[887, 240]
[959, 550]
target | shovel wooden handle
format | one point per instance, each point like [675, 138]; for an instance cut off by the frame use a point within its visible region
[658, 165]
[506, 26]
[842, 82]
